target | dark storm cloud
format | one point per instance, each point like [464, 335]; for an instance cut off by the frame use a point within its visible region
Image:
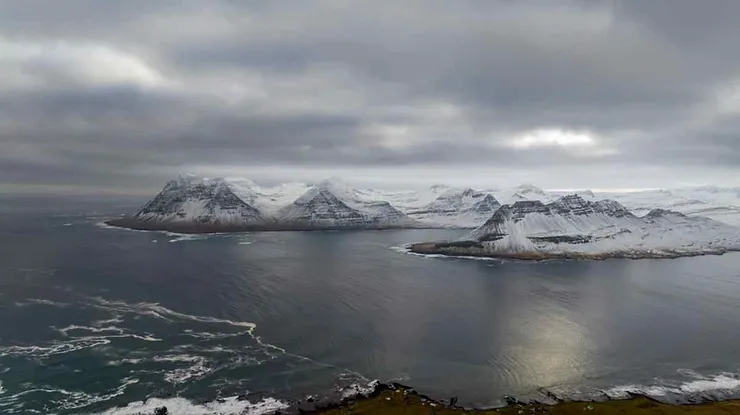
[125, 92]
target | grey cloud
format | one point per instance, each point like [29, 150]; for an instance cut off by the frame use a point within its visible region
[313, 81]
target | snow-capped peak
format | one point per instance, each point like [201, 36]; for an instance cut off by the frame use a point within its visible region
[527, 188]
[465, 208]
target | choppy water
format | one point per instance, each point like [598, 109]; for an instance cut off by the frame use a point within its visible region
[93, 318]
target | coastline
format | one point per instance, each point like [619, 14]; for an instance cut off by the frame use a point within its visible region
[195, 229]
[463, 249]
[398, 399]
[394, 398]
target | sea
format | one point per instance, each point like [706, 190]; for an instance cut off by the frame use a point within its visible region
[95, 319]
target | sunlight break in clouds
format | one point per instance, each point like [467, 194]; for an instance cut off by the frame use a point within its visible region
[553, 137]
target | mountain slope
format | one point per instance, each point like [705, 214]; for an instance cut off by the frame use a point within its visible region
[334, 205]
[194, 205]
[572, 227]
[465, 208]
[722, 204]
[206, 201]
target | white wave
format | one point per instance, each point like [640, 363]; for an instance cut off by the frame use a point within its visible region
[111, 320]
[184, 238]
[355, 390]
[75, 327]
[727, 383]
[2, 389]
[53, 349]
[624, 391]
[197, 369]
[245, 243]
[182, 375]
[103, 225]
[406, 250]
[67, 400]
[40, 301]
[211, 336]
[181, 406]
[126, 361]
[158, 311]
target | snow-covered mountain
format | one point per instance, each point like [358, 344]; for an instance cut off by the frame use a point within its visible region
[408, 200]
[522, 193]
[466, 208]
[333, 204]
[572, 227]
[194, 203]
[241, 203]
[267, 199]
[722, 204]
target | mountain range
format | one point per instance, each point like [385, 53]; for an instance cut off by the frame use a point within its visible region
[572, 227]
[196, 204]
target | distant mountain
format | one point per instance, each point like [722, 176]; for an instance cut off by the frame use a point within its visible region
[572, 227]
[408, 200]
[722, 204]
[193, 204]
[267, 199]
[466, 208]
[333, 204]
[522, 193]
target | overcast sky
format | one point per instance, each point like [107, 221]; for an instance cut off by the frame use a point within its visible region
[122, 95]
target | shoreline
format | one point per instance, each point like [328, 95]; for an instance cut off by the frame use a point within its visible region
[395, 398]
[399, 399]
[199, 229]
[473, 249]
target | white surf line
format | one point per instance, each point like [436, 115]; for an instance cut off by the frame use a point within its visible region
[159, 311]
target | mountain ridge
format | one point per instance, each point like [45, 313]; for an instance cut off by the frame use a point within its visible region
[438, 206]
[572, 227]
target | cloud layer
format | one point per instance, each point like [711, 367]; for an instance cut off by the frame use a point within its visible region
[571, 94]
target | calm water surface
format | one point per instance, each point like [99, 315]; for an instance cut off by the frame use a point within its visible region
[93, 318]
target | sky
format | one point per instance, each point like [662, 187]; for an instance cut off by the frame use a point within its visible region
[119, 96]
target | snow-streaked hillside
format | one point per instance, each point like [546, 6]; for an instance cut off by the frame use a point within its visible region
[195, 204]
[334, 204]
[199, 201]
[572, 227]
[466, 208]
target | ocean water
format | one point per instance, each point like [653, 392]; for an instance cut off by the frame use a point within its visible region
[101, 320]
